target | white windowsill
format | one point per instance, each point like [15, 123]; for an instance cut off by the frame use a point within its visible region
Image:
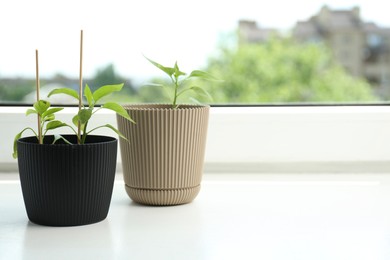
[266, 139]
[235, 216]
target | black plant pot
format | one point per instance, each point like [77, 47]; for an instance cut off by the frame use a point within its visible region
[67, 185]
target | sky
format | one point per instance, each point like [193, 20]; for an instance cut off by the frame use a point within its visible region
[121, 32]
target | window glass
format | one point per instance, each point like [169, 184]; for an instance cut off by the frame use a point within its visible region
[273, 52]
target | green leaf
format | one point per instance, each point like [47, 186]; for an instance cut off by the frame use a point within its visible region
[55, 124]
[84, 115]
[51, 111]
[48, 118]
[202, 75]
[153, 85]
[167, 70]
[60, 137]
[178, 73]
[17, 137]
[75, 120]
[41, 106]
[116, 131]
[195, 101]
[66, 91]
[56, 138]
[118, 109]
[201, 92]
[31, 111]
[88, 94]
[112, 128]
[106, 90]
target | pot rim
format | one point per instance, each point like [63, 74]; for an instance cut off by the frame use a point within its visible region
[163, 106]
[32, 140]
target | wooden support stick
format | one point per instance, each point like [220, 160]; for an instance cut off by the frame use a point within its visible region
[40, 141]
[80, 83]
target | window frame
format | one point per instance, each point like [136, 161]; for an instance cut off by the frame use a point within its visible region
[265, 138]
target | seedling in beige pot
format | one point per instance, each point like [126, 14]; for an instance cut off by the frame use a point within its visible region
[163, 160]
[67, 180]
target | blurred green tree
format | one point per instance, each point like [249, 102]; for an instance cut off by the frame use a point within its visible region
[149, 93]
[282, 71]
[107, 76]
[14, 90]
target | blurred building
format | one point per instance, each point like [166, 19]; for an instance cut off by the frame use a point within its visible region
[251, 32]
[363, 48]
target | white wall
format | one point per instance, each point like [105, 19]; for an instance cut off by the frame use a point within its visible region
[266, 139]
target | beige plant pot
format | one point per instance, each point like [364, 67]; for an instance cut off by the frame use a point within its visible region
[163, 160]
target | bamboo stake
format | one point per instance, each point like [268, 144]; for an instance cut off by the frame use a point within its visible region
[40, 141]
[80, 83]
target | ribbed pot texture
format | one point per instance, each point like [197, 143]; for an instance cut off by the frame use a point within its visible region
[67, 185]
[163, 160]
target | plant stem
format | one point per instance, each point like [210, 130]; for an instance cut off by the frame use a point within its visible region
[84, 133]
[80, 85]
[40, 139]
[175, 94]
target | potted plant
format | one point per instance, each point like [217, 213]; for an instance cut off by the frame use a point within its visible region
[67, 180]
[163, 161]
